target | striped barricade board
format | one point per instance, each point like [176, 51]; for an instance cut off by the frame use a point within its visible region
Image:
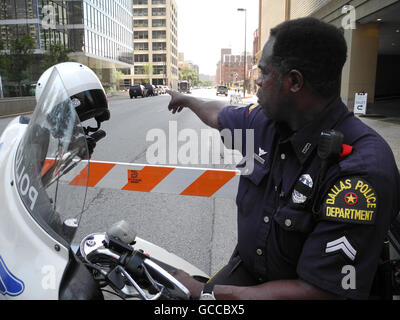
[186, 181]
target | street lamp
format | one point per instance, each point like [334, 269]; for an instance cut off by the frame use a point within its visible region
[245, 55]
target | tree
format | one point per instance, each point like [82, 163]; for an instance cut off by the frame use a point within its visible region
[18, 61]
[56, 54]
[190, 75]
[3, 57]
[148, 70]
[117, 75]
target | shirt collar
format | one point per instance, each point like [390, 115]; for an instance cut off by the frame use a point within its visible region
[306, 139]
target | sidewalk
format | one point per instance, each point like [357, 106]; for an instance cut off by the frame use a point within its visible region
[248, 99]
[384, 117]
[384, 108]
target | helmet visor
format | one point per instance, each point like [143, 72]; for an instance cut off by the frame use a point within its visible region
[52, 150]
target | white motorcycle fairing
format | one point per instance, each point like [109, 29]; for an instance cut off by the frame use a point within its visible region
[29, 255]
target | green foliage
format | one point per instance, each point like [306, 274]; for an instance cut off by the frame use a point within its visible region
[189, 75]
[56, 54]
[16, 63]
[20, 58]
[116, 76]
[148, 70]
[3, 57]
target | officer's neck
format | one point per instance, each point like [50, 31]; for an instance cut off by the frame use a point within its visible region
[307, 110]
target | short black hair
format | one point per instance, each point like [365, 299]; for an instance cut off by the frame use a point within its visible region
[315, 48]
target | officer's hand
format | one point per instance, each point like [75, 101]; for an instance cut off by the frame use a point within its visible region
[195, 287]
[178, 101]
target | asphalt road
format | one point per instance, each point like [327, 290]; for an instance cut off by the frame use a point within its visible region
[200, 230]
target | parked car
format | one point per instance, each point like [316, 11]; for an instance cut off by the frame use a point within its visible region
[161, 89]
[222, 90]
[150, 90]
[136, 91]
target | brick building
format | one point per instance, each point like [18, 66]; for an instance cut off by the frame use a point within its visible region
[231, 67]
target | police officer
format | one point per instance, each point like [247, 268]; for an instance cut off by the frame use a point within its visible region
[307, 228]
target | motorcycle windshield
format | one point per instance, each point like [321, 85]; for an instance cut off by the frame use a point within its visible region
[52, 146]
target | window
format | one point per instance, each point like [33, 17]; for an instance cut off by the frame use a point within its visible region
[142, 12]
[159, 34]
[158, 82]
[158, 1]
[140, 2]
[125, 71]
[139, 70]
[141, 46]
[141, 58]
[159, 46]
[160, 70]
[159, 23]
[140, 35]
[140, 23]
[159, 57]
[158, 11]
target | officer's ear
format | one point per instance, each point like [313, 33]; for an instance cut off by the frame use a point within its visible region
[296, 80]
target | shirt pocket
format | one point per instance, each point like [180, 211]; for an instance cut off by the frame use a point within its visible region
[292, 226]
[251, 190]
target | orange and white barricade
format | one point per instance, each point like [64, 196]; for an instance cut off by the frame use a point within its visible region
[186, 181]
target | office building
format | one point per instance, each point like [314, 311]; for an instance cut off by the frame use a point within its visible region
[99, 33]
[155, 24]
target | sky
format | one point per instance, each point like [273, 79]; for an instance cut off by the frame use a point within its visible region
[207, 26]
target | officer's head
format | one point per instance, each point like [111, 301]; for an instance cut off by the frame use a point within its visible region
[302, 55]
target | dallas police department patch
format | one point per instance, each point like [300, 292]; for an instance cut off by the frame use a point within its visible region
[298, 195]
[351, 200]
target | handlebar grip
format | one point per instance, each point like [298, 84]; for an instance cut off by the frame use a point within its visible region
[98, 135]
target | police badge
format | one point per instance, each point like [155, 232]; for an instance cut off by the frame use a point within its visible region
[302, 189]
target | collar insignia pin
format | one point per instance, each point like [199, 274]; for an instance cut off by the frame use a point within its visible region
[261, 152]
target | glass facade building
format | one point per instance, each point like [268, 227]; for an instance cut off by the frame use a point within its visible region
[108, 29]
[99, 32]
[21, 17]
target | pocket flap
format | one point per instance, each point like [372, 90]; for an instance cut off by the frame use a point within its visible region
[295, 219]
[254, 171]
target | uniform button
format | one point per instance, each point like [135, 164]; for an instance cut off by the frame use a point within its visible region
[282, 194]
[283, 156]
[259, 252]
[288, 222]
[266, 219]
[276, 188]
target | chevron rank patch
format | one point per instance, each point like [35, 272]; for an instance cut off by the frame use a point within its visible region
[350, 200]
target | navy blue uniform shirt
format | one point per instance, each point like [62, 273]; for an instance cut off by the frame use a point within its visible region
[329, 234]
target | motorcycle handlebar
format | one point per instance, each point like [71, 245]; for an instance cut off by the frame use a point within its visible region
[98, 135]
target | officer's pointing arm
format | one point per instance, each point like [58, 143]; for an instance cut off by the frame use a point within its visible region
[207, 111]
